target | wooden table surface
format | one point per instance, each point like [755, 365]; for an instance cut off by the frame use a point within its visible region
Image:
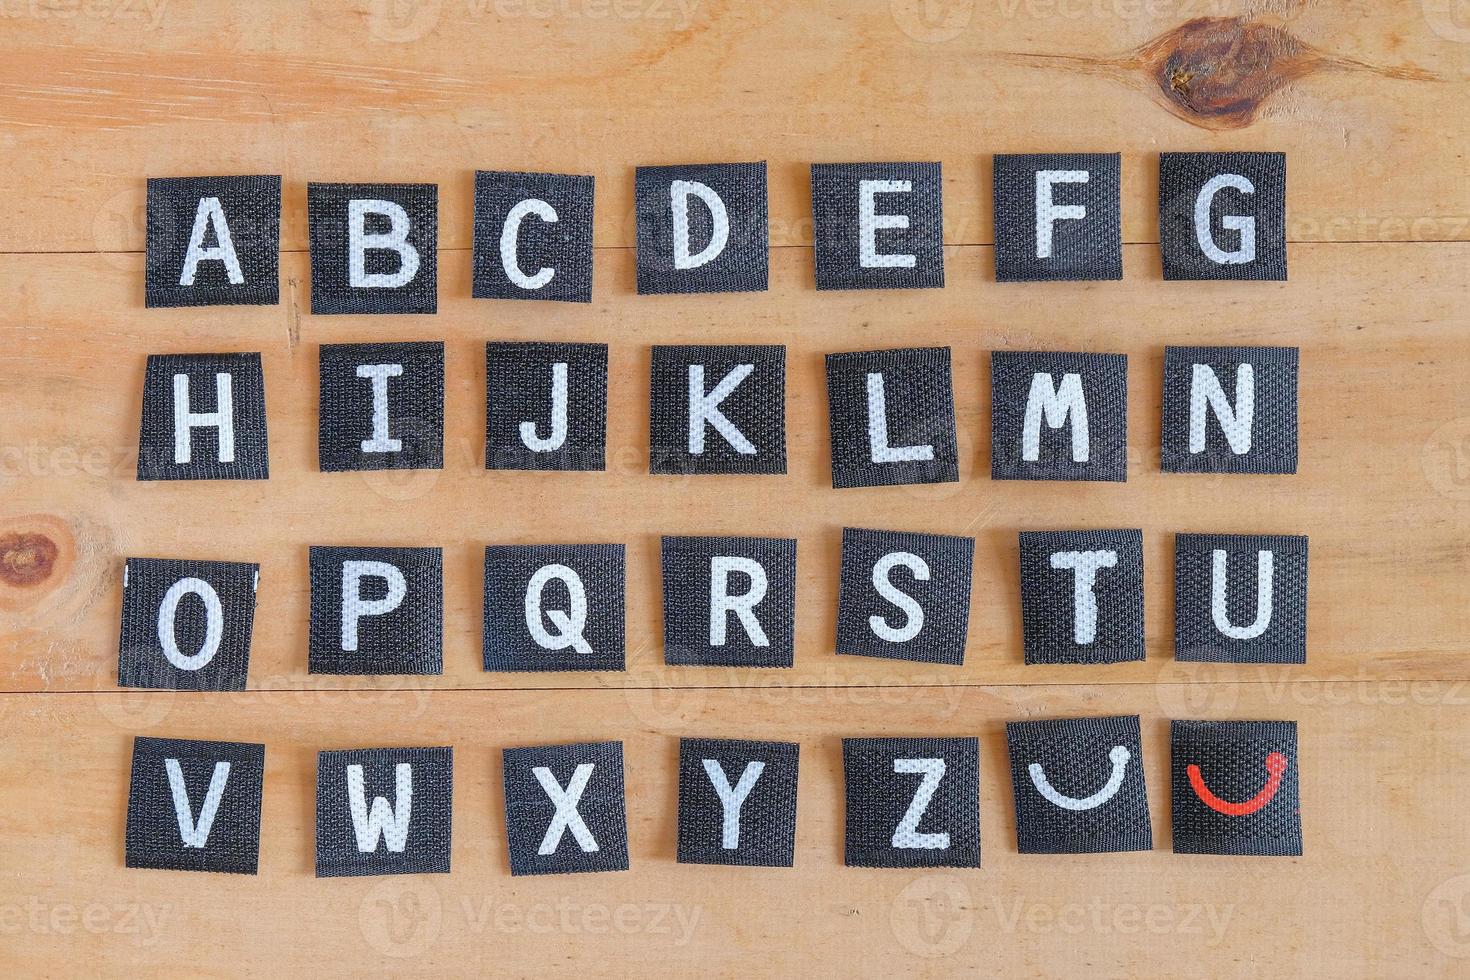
[1368, 99]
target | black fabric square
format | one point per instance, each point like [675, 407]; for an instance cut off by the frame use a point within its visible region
[1223, 215]
[752, 581]
[564, 809]
[892, 417]
[1236, 788]
[718, 409]
[878, 225]
[186, 625]
[1058, 416]
[702, 228]
[1230, 410]
[545, 406]
[195, 806]
[213, 241]
[382, 406]
[384, 811]
[187, 433]
[377, 611]
[1057, 217]
[1079, 786]
[374, 247]
[737, 802]
[1240, 598]
[904, 596]
[912, 802]
[1082, 596]
[554, 607]
[533, 236]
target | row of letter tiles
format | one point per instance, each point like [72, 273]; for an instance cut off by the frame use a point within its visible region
[910, 802]
[722, 409]
[704, 228]
[727, 601]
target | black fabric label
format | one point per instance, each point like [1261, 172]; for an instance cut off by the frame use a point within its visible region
[912, 802]
[554, 607]
[564, 809]
[1235, 788]
[1240, 598]
[376, 611]
[213, 241]
[1082, 596]
[892, 417]
[718, 409]
[1058, 416]
[1230, 410]
[203, 418]
[533, 236]
[374, 247]
[545, 406]
[384, 811]
[1079, 786]
[878, 225]
[729, 602]
[382, 406]
[904, 596]
[737, 802]
[1223, 215]
[1057, 217]
[195, 806]
[702, 228]
[186, 625]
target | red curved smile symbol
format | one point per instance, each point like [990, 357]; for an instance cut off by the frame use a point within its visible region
[1275, 765]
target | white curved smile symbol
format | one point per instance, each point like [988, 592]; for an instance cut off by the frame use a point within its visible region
[1119, 757]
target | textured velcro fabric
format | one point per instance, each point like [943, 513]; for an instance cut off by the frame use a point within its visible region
[1272, 427]
[416, 789]
[1085, 247]
[596, 839]
[327, 208]
[688, 575]
[932, 570]
[158, 449]
[1218, 617]
[883, 800]
[905, 230]
[1251, 186]
[411, 377]
[223, 827]
[759, 829]
[741, 266]
[744, 384]
[1079, 786]
[249, 208]
[521, 399]
[588, 608]
[563, 245]
[402, 638]
[201, 658]
[1109, 628]
[1248, 768]
[1103, 382]
[918, 401]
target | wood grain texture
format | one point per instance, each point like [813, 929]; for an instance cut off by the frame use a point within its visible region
[1366, 98]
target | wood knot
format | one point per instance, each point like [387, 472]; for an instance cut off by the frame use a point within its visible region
[26, 558]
